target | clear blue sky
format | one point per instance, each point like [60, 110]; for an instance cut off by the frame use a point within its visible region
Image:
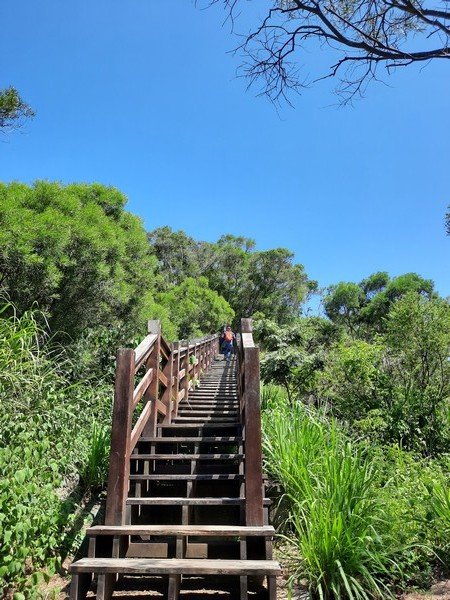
[142, 95]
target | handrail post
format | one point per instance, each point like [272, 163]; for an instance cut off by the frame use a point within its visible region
[119, 463]
[176, 376]
[186, 376]
[151, 395]
[254, 510]
[167, 395]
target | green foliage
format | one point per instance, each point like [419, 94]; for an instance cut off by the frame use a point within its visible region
[295, 353]
[75, 252]
[45, 423]
[94, 474]
[195, 309]
[363, 307]
[337, 520]
[13, 110]
[249, 280]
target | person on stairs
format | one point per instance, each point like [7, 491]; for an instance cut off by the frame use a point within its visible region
[226, 342]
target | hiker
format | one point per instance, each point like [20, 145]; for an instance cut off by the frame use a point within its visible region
[226, 342]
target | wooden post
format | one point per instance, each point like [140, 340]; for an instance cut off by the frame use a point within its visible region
[254, 510]
[167, 395]
[119, 463]
[151, 395]
[176, 377]
[186, 366]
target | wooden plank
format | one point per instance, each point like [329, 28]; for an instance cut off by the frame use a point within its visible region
[196, 550]
[161, 408]
[163, 379]
[186, 456]
[181, 394]
[143, 350]
[191, 440]
[187, 477]
[172, 501]
[119, 465]
[141, 388]
[148, 566]
[183, 530]
[140, 425]
[181, 374]
[147, 550]
[253, 453]
[151, 395]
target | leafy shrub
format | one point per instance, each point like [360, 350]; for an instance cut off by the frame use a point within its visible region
[45, 423]
[337, 520]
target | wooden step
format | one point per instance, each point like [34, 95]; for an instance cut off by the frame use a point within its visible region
[192, 419]
[167, 566]
[208, 425]
[193, 440]
[186, 456]
[183, 530]
[205, 411]
[187, 477]
[178, 501]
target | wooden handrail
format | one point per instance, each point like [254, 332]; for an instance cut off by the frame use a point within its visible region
[250, 409]
[164, 383]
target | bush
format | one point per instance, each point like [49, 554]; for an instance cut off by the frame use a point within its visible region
[336, 519]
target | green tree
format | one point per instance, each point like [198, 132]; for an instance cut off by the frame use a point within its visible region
[195, 309]
[179, 256]
[76, 252]
[258, 281]
[362, 307]
[13, 110]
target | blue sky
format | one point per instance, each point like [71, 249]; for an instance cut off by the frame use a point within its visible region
[142, 95]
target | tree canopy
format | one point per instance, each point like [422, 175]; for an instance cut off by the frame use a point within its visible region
[13, 110]
[74, 252]
[366, 304]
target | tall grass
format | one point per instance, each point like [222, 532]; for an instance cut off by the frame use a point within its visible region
[95, 471]
[335, 518]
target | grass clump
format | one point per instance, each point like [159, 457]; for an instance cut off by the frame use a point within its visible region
[335, 518]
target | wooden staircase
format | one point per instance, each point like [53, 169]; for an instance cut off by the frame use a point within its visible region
[185, 504]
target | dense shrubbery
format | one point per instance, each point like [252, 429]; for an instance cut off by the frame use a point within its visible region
[45, 424]
[366, 520]
[359, 443]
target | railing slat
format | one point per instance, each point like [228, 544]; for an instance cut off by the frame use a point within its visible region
[143, 350]
[140, 424]
[141, 388]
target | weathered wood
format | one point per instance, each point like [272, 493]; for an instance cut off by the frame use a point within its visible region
[139, 426]
[186, 456]
[182, 530]
[147, 550]
[151, 395]
[119, 465]
[141, 388]
[191, 440]
[149, 566]
[253, 440]
[143, 350]
[175, 391]
[187, 477]
[163, 379]
[210, 501]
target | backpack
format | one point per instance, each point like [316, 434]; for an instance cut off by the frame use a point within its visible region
[228, 336]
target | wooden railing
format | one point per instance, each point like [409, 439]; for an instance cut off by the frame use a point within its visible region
[250, 410]
[156, 375]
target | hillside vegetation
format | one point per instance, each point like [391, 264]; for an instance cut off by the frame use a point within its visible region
[356, 402]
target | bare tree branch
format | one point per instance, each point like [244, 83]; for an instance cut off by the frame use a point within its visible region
[365, 35]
